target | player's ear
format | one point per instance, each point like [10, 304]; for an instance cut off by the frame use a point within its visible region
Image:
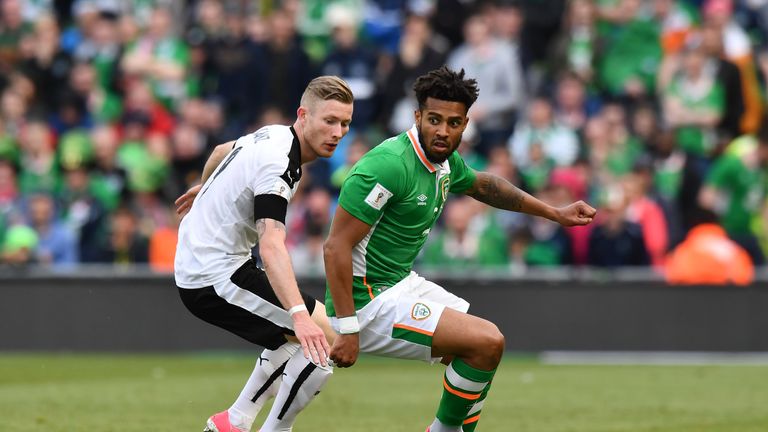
[417, 115]
[301, 113]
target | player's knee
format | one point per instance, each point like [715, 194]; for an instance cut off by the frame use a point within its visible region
[493, 344]
[321, 319]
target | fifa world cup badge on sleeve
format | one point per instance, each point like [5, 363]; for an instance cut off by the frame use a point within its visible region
[282, 188]
[378, 196]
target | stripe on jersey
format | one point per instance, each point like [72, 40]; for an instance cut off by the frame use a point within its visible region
[249, 301]
[359, 261]
[412, 334]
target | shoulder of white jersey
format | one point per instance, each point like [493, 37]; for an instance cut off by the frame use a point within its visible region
[276, 139]
[276, 153]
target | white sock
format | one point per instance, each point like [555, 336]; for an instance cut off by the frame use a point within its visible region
[262, 385]
[438, 426]
[301, 383]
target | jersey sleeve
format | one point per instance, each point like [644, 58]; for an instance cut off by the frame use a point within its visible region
[271, 191]
[373, 184]
[462, 176]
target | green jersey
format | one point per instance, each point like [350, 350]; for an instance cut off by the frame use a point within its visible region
[743, 188]
[697, 140]
[400, 193]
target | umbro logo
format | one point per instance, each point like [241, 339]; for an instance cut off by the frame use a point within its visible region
[422, 198]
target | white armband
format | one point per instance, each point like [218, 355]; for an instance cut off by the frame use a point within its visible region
[349, 325]
[297, 308]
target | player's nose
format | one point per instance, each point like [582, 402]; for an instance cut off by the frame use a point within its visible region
[442, 131]
[338, 131]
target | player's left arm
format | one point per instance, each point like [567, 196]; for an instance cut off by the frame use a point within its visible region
[279, 270]
[500, 193]
[184, 202]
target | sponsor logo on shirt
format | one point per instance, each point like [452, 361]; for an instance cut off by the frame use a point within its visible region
[291, 176]
[421, 199]
[420, 312]
[378, 196]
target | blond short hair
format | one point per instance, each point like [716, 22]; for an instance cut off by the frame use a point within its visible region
[327, 87]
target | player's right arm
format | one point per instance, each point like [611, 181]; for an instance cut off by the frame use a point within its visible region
[184, 202]
[346, 232]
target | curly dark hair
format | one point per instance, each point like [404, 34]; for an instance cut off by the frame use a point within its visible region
[446, 85]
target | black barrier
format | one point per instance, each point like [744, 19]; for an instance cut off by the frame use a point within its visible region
[145, 314]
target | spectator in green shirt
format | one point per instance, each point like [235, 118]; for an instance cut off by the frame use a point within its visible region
[468, 240]
[736, 189]
[694, 102]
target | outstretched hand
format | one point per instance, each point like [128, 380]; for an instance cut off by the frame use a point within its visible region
[578, 213]
[184, 202]
[312, 339]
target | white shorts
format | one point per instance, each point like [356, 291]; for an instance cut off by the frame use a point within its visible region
[400, 321]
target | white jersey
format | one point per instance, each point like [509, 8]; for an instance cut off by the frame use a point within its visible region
[255, 180]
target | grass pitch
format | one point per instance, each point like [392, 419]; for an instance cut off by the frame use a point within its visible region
[111, 393]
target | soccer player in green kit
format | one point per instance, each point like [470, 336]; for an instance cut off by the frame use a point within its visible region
[388, 204]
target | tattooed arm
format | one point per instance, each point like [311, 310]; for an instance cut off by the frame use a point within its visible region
[277, 262]
[277, 265]
[498, 192]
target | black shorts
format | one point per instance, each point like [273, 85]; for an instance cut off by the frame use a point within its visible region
[247, 307]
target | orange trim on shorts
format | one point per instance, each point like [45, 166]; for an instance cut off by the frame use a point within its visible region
[370, 288]
[472, 419]
[460, 394]
[421, 154]
[413, 329]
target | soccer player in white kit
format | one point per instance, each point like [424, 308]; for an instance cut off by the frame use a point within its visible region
[242, 201]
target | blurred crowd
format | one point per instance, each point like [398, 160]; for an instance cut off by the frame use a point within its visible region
[650, 110]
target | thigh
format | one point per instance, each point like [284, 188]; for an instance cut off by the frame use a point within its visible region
[400, 322]
[206, 304]
[402, 328]
[429, 290]
[245, 305]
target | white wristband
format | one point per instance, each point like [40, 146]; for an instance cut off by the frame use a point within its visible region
[349, 325]
[297, 308]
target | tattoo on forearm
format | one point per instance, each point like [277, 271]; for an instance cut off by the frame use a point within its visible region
[278, 225]
[498, 193]
[261, 226]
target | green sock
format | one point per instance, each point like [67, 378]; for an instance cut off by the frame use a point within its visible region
[473, 417]
[462, 387]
